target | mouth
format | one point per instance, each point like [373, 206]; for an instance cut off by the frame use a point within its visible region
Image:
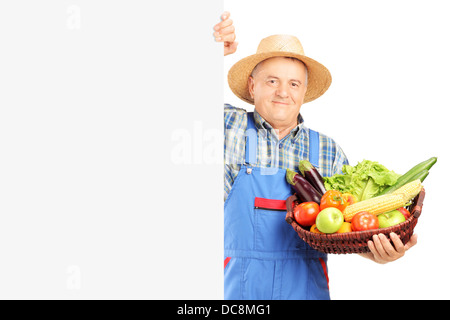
[280, 103]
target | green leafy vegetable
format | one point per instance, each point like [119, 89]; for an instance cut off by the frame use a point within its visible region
[365, 180]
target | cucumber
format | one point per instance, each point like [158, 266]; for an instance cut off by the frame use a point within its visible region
[421, 175]
[419, 171]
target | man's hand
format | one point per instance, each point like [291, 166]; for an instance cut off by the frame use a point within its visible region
[224, 32]
[382, 251]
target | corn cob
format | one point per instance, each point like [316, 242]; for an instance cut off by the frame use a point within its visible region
[410, 190]
[377, 205]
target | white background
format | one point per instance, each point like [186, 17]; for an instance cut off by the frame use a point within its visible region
[111, 174]
[388, 103]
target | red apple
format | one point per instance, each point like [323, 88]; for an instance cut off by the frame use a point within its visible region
[405, 212]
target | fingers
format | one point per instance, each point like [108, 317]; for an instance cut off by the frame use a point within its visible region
[383, 251]
[224, 30]
[226, 21]
[370, 255]
[225, 34]
[376, 247]
[399, 247]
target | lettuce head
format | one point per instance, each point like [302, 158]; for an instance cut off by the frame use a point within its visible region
[365, 180]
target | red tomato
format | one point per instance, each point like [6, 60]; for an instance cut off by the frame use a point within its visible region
[333, 198]
[405, 212]
[305, 213]
[364, 221]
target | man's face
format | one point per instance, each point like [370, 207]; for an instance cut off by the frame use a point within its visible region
[278, 87]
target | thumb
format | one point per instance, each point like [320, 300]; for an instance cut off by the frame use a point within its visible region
[411, 243]
[230, 47]
[234, 45]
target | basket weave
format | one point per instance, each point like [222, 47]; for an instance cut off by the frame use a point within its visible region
[356, 241]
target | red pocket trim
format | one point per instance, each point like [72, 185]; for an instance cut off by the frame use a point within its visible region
[270, 204]
[226, 262]
[324, 267]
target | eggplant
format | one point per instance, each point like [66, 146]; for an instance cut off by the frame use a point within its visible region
[312, 175]
[302, 188]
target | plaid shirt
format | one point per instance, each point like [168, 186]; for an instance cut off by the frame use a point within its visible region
[291, 149]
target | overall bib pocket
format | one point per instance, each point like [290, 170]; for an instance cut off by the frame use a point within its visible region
[271, 231]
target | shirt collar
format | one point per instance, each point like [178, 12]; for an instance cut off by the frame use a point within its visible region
[261, 123]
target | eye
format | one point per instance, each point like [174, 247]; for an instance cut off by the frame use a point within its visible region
[295, 84]
[272, 81]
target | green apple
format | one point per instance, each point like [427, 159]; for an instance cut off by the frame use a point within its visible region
[391, 218]
[329, 220]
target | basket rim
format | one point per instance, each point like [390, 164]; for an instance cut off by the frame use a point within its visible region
[416, 211]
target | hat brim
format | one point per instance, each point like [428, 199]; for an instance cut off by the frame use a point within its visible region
[319, 78]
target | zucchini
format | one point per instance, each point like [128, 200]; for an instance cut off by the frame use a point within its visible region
[419, 171]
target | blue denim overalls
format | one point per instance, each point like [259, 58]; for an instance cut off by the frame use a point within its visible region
[264, 257]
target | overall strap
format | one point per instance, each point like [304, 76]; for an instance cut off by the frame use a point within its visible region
[314, 148]
[250, 140]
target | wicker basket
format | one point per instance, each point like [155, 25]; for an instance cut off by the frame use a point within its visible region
[356, 241]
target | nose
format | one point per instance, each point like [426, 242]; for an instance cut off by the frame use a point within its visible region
[282, 90]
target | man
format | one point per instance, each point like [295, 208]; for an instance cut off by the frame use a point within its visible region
[264, 257]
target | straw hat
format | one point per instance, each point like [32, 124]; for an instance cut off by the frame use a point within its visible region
[319, 78]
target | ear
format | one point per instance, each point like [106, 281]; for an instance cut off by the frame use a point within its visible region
[251, 86]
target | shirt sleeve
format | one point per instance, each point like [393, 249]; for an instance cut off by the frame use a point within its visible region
[235, 120]
[234, 117]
